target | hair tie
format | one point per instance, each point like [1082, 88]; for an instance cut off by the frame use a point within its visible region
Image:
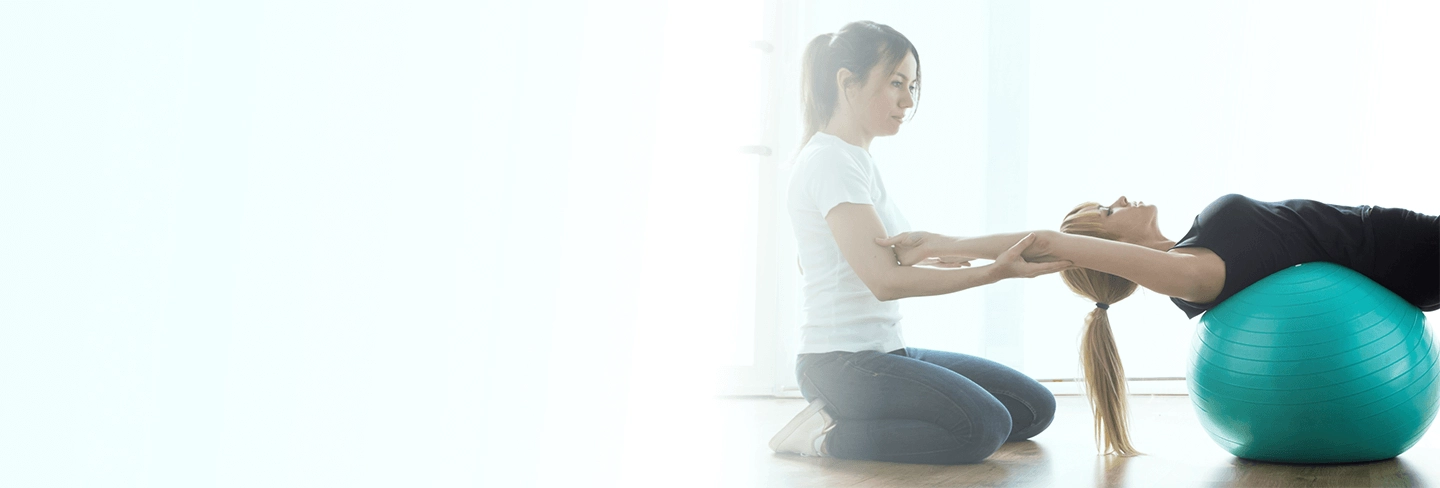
[1103, 306]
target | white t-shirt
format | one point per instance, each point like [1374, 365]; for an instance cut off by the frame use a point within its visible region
[841, 314]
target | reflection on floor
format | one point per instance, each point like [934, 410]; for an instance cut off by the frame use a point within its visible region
[1179, 453]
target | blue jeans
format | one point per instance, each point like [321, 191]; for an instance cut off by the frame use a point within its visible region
[921, 406]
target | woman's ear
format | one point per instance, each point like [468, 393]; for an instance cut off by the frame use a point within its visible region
[843, 78]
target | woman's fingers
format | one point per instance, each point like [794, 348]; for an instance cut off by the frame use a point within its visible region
[903, 239]
[892, 240]
[944, 262]
[1019, 247]
[953, 262]
[1014, 260]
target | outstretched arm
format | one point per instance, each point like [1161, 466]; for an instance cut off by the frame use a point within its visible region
[1170, 273]
[856, 228]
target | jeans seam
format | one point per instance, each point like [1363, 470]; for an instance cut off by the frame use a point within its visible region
[969, 423]
[1033, 414]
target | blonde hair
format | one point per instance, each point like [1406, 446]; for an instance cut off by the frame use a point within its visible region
[1104, 374]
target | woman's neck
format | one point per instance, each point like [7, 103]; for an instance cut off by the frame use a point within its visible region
[848, 131]
[1152, 239]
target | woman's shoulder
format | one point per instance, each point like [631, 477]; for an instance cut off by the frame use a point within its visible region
[824, 151]
[1229, 204]
[1233, 199]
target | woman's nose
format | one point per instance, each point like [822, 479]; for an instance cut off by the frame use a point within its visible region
[1120, 202]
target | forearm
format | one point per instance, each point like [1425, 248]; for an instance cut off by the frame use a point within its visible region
[982, 247]
[910, 281]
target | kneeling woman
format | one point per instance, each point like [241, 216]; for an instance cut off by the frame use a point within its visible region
[1233, 243]
[872, 397]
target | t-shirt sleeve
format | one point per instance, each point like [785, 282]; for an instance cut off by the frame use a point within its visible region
[1255, 239]
[835, 178]
[1228, 227]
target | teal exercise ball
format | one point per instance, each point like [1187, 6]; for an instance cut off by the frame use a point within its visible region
[1314, 364]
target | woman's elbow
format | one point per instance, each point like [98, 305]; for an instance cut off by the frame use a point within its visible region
[884, 296]
[884, 291]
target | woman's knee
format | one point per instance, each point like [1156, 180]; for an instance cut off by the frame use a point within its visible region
[1033, 410]
[1044, 415]
[974, 448]
[989, 428]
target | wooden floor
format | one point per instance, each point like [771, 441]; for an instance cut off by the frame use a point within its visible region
[1178, 451]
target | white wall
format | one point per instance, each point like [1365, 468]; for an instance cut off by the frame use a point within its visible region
[373, 244]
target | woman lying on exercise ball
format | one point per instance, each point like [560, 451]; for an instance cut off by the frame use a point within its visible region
[1234, 242]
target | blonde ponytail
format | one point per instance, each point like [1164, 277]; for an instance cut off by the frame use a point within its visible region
[1099, 357]
[1105, 385]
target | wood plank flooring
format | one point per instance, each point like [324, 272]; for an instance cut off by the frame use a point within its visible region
[1179, 454]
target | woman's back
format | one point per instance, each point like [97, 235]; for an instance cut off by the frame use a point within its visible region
[1256, 239]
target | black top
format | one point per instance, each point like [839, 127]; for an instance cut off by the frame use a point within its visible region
[1256, 239]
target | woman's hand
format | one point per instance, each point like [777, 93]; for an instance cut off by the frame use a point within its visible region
[1039, 250]
[912, 248]
[945, 262]
[1012, 263]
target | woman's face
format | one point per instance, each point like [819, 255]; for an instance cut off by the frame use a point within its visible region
[1126, 219]
[881, 104]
